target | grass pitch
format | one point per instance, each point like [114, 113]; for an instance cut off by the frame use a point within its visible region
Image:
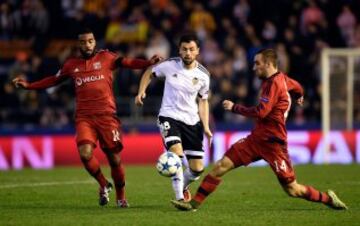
[247, 196]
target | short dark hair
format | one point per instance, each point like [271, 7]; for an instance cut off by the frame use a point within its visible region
[85, 30]
[269, 55]
[188, 38]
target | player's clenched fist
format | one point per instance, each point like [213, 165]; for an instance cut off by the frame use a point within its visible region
[139, 99]
[228, 105]
[20, 83]
[155, 59]
[300, 101]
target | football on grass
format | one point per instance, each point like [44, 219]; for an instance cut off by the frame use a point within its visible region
[168, 164]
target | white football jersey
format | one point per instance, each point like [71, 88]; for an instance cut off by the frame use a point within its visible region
[182, 87]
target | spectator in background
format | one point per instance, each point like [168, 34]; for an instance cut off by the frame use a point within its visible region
[269, 32]
[158, 45]
[283, 57]
[202, 22]
[73, 16]
[311, 15]
[346, 22]
[5, 21]
[231, 31]
[21, 19]
[241, 12]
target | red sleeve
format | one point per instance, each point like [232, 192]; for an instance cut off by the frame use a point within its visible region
[267, 100]
[132, 63]
[294, 88]
[124, 62]
[47, 82]
[53, 80]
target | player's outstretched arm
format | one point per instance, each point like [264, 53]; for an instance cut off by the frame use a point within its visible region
[260, 111]
[144, 83]
[135, 63]
[41, 84]
[20, 83]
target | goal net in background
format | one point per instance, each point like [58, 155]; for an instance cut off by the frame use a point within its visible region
[340, 70]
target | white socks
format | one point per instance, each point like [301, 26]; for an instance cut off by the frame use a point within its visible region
[178, 184]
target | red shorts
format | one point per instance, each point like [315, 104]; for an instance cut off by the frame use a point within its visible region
[249, 150]
[105, 128]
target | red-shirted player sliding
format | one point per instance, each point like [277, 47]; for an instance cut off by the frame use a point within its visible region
[268, 140]
[95, 116]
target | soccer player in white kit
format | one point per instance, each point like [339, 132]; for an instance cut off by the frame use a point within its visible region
[184, 114]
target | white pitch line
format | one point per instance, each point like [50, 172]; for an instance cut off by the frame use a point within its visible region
[40, 184]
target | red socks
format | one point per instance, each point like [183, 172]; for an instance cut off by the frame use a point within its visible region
[316, 196]
[93, 167]
[207, 186]
[118, 175]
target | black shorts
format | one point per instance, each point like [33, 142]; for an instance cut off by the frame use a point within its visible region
[191, 137]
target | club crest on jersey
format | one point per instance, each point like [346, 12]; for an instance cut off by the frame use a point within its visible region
[174, 75]
[97, 65]
[195, 81]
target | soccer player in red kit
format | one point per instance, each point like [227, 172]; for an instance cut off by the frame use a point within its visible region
[268, 140]
[95, 115]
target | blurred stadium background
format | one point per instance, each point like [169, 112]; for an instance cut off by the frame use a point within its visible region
[36, 128]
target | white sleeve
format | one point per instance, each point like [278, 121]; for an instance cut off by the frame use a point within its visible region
[160, 69]
[204, 90]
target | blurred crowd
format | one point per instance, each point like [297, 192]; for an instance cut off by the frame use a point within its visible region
[231, 31]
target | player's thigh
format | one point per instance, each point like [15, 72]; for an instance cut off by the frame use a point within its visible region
[177, 149]
[242, 152]
[192, 138]
[279, 160]
[110, 134]
[170, 133]
[85, 132]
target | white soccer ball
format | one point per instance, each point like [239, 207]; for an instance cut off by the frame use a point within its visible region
[168, 164]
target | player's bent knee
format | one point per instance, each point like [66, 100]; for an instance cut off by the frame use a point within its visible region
[292, 190]
[85, 152]
[196, 165]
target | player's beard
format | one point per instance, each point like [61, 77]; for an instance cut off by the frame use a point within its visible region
[87, 53]
[260, 75]
[188, 61]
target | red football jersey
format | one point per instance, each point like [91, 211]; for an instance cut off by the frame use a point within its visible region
[273, 108]
[93, 80]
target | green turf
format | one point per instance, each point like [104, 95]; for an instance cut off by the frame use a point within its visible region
[248, 196]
